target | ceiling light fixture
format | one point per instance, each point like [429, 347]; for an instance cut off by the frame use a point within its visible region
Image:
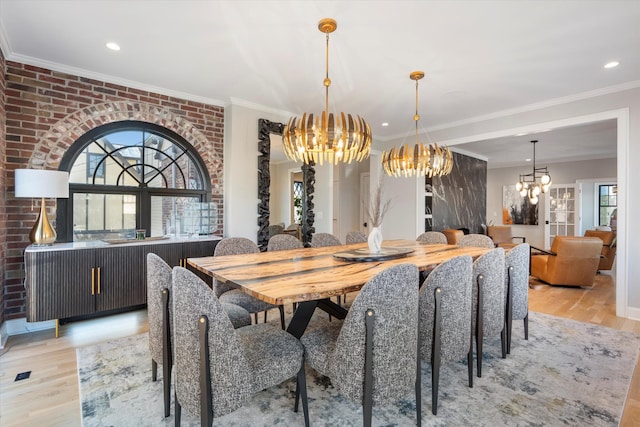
[113, 46]
[430, 159]
[527, 183]
[611, 64]
[327, 138]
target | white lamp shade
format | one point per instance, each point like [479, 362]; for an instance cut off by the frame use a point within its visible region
[41, 183]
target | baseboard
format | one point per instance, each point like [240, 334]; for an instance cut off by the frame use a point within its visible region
[633, 313]
[21, 326]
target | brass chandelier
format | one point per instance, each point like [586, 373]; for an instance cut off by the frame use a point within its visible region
[340, 138]
[430, 159]
[527, 183]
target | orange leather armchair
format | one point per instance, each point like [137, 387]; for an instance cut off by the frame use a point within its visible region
[452, 235]
[502, 236]
[572, 261]
[608, 247]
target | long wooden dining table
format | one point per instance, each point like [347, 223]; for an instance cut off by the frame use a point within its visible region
[311, 276]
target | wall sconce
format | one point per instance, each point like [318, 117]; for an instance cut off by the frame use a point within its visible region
[42, 183]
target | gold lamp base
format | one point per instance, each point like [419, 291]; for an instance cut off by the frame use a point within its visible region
[42, 233]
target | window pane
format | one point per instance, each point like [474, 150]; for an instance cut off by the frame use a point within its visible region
[103, 216]
[180, 216]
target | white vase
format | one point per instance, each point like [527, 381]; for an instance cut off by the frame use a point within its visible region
[375, 240]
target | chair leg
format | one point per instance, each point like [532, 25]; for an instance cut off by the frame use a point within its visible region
[255, 317]
[367, 398]
[154, 370]
[503, 341]
[526, 327]
[281, 308]
[470, 366]
[509, 310]
[418, 387]
[206, 407]
[178, 410]
[301, 388]
[479, 332]
[265, 316]
[435, 352]
[166, 385]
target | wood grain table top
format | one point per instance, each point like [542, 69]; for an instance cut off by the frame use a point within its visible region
[282, 277]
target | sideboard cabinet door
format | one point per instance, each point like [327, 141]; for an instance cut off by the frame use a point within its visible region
[122, 279]
[59, 284]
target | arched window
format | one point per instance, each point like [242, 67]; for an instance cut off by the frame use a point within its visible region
[130, 175]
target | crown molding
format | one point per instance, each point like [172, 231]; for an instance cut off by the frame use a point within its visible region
[252, 105]
[5, 46]
[540, 105]
[111, 79]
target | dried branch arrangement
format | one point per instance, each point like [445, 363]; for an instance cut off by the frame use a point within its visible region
[378, 207]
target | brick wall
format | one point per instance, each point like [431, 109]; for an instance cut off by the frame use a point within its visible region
[46, 111]
[3, 186]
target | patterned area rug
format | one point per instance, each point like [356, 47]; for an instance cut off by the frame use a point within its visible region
[567, 373]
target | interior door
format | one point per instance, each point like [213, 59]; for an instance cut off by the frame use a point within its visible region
[561, 215]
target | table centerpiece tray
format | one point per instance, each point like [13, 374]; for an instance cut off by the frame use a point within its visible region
[364, 255]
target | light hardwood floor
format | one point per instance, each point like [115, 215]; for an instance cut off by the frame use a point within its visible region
[50, 396]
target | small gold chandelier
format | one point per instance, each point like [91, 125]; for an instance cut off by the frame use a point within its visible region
[431, 159]
[327, 138]
[527, 183]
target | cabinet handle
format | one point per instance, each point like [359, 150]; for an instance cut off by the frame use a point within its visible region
[99, 280]
[93, 281]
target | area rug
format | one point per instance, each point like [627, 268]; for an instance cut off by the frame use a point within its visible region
[567, 373]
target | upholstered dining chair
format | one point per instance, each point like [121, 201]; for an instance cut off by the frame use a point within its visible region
[432, 237]
[517, 289]
[227, 293]
[488, 308]
[356, 237]
[445, 319]
[160, 317]
[217, 368]
[372, 356]
[476, 240]
[320, 240]
[283, 242]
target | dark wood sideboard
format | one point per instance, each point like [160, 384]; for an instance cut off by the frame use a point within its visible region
[77, 279]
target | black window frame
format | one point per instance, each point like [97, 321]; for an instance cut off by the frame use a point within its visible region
[143, 193]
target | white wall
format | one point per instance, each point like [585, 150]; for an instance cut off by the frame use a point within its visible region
[323, 199]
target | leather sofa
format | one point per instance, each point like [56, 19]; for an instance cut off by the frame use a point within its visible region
[608, 247]
[572, 261]
[502, 236]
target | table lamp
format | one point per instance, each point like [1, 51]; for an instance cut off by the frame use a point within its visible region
[42, 183]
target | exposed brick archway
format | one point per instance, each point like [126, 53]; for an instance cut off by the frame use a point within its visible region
[54, 143]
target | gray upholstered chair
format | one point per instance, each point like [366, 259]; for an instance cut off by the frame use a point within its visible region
[160, 315]
[228, 294]
[275, 229]
[445, 319]
[356, 237]
[217, 368]
[319, 240]
[476, 240]
[488, 308]
[432, 237]
[372, 371]
[282, 242]
[517, 289]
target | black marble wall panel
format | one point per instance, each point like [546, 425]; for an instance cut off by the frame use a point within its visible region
[460, 198]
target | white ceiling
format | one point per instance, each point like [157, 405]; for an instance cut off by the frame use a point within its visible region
[480, 57]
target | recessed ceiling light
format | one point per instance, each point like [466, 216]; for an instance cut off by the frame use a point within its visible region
[385, 124]
[527, 160]
[611, 64]
[113, 46]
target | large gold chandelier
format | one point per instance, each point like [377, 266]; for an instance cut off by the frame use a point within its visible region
[327, 138]
[430, 159]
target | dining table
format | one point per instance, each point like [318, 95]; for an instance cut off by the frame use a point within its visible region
[309, 277]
